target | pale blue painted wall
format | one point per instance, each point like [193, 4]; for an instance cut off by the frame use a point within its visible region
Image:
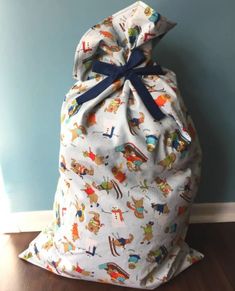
[37, 45]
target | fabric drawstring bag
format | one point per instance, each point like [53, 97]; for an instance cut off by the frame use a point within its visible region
[129, 162]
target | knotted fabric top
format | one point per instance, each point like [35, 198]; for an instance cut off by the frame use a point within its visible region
[120, 48]
[113, 39]
[130, 73]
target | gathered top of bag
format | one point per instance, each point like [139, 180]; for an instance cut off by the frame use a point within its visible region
[113, 39]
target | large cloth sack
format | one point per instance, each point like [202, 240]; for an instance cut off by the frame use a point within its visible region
[130, 162]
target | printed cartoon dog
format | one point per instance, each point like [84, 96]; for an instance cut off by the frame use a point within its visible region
[137, 207]
[108, 185]
[117, 241]
[134, 157]
[161, 208]
[75, 232]
[94, 224]
[99, 160]
[80, 208]
[135, 122]
[113, 105]
[80, 169]
[157, 255]
[163, 186]
[68, 245]
[133, 260]
[176, 140]
[168, 161]
[77, 131]
[148, 232]
[78, 269]
[93, 197]
[118, 173]
[116, 273]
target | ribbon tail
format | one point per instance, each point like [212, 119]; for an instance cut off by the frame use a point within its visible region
[149, 70]
[95, 91]
[146, 97]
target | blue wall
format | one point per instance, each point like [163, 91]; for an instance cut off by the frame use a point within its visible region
[37, 45]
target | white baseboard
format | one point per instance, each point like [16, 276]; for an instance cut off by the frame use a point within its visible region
[37, 220]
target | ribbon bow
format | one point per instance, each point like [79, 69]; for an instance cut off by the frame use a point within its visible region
[128, 71]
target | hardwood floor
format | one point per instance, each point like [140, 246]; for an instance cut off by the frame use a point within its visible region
[216, 272]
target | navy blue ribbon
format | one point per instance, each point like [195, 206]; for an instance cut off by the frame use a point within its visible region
[128, 71]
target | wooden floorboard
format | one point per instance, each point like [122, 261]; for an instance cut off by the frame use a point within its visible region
[216, 272]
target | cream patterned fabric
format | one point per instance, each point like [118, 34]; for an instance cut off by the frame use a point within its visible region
[127, 180]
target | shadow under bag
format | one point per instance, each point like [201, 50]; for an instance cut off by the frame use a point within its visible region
[130, 162]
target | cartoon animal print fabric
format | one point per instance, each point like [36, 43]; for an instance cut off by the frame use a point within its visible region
[127, 179]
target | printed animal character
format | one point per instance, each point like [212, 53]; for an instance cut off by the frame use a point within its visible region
[162, 99]
[91, 119]
[99, 160]
[68, 245]
[75, 233]
[81, 271]
[133, 261]
[77, 131]
[148, 232]
[62, 164]
[134, 157]
[80, 208]
[110, 49]
[47, 245]
[151, 141]
[80, 169]
[116, 273]
[168, 162]
[133, 33]
[118, 173]
[163, 186]
[135, 122]
[73, 109]
[157, 255]
[79, 88]
[28, 255]
[117, 241]
[177, 141]
[108, 185]
[94, 224]
[137, 207]
[114, 105]
[93, 197]
[152, 14]
[106, 34]
[161, 208]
